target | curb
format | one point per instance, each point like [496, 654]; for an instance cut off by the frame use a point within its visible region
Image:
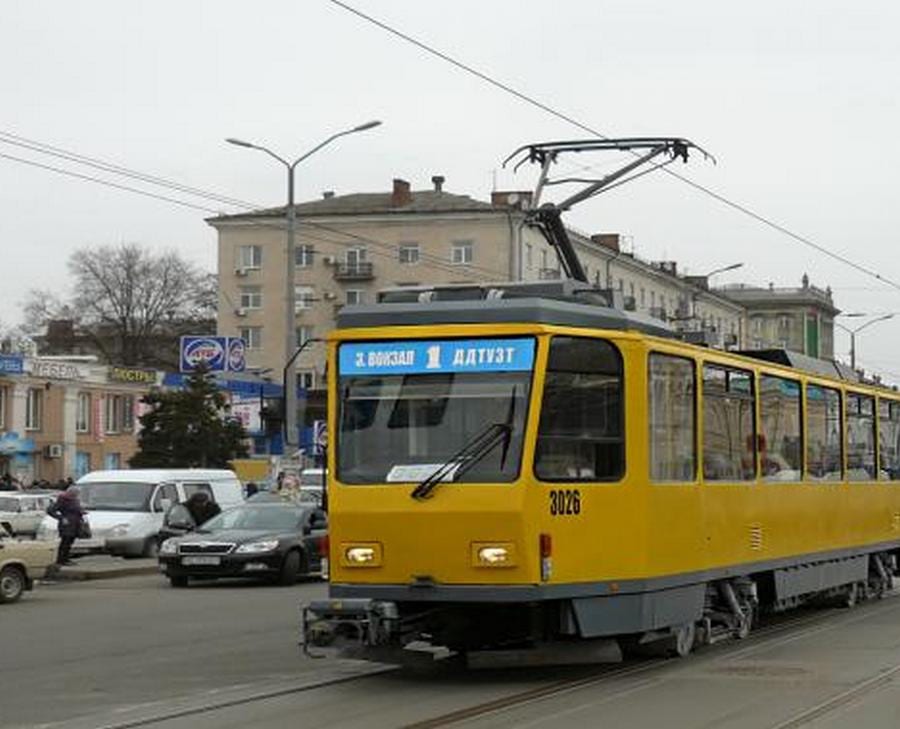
[68, 574]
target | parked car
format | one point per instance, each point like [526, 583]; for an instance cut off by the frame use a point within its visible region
[24, 510]
[21, 563]
[277, 541]
[126, 508]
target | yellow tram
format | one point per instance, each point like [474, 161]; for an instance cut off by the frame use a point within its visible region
[518, 467]
[518, 470]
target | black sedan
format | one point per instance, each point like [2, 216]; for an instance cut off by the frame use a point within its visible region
[279, 542]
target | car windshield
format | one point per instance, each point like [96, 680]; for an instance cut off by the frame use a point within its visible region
[115, 496]
[269, 518]
[403, 427]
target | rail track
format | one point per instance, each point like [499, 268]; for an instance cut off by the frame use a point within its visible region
[619, 679]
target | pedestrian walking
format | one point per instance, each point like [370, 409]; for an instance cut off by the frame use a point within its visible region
[7, 483]
[72, 524]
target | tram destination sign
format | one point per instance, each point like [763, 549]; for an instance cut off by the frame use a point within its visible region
[437, 355]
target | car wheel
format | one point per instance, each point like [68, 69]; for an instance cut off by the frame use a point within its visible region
[151, 548]
[12, 584]
[178, 581]
[290, 568]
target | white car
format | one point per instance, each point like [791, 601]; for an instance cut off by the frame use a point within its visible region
[24, 510]
[125, 509]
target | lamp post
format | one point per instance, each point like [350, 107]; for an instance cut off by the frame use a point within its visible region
[854, 332]
[290, 316]
[705, 282]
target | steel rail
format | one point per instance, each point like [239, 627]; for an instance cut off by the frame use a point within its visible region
[758, 640]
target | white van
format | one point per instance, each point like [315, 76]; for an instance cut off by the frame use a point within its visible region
[126, 508]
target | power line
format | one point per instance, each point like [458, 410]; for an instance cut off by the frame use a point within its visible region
[43, 148]
[532, 101]
[107, 183]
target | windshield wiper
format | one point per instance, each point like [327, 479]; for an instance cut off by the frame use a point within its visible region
[471, 453]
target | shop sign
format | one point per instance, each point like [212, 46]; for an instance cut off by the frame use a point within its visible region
[218, 354]
[54, 370]
[132, 374]
[11, 364]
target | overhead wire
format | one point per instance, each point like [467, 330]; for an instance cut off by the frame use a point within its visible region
[532, 101]
[356, 239]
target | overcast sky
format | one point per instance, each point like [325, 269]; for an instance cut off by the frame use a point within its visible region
[797, 101]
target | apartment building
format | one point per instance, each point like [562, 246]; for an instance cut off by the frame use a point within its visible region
[348, 247]
[797, 318]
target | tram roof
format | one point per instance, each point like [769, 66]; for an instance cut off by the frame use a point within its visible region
[535, 310]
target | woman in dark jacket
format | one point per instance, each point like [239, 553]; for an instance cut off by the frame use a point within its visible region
[68, 512]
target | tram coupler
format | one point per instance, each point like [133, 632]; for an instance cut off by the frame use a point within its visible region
[347, 624]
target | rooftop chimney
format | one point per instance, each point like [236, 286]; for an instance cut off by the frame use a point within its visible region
[438, 181]
[607, 240]
[520, 200]
[401, 195]
[328, 194]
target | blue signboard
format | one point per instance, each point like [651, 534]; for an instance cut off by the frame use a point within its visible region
[219, 354]
[11, 364]
[441, 355]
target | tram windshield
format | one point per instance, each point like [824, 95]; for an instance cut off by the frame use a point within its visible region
[403, 426]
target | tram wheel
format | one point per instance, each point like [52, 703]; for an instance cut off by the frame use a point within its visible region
[685, 635]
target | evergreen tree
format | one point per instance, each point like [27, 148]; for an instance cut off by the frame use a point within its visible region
[187, 428]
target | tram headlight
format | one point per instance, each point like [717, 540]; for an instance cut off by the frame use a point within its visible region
[486, 554]
[361, 555]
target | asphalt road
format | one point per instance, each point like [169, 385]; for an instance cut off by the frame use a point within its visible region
[134, 652]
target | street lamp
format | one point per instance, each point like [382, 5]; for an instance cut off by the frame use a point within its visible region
[732, 267]
[702, 282]
[290, 316]
[854, 332]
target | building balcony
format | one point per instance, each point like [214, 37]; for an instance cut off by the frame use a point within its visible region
[362, 271]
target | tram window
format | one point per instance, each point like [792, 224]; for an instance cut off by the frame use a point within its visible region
[581, 432]
[889, 439]
[860, 437]
[672, 418]
[824, 449]
[729, 435]
[781, 450]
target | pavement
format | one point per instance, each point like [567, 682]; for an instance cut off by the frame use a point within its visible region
[101, 567]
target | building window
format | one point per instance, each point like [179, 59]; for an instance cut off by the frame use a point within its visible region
[356, 296]
[581, 434]
[860, 437]
[306, 379]
[461, 253]
[355, 259]
[34, 409]
[127, 404]
[303, 297]
[543, 259]
[119, 413]
[672, 421]
[779, 423]
[112, 461]
[529, 255]
[622, 285]
[652, 299]
[252, 337]
[409, 253]
[304, 334]
[303, 255]
[729, 451]
[251, 297]
[83, 413]
[2, 408]
[249, 257]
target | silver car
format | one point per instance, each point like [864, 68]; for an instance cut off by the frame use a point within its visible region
[24, 510]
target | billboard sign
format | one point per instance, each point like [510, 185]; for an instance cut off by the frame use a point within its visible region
[219, 354]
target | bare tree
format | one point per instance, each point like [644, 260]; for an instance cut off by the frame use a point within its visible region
[131, 302]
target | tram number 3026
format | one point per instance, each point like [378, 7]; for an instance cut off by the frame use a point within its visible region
[565, 502]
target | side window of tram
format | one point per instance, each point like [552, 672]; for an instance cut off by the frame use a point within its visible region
[672, 416]
[824, 445]
[780, 414]
[729, 435]
[860, 437]
[889, 439]
[580, 436]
